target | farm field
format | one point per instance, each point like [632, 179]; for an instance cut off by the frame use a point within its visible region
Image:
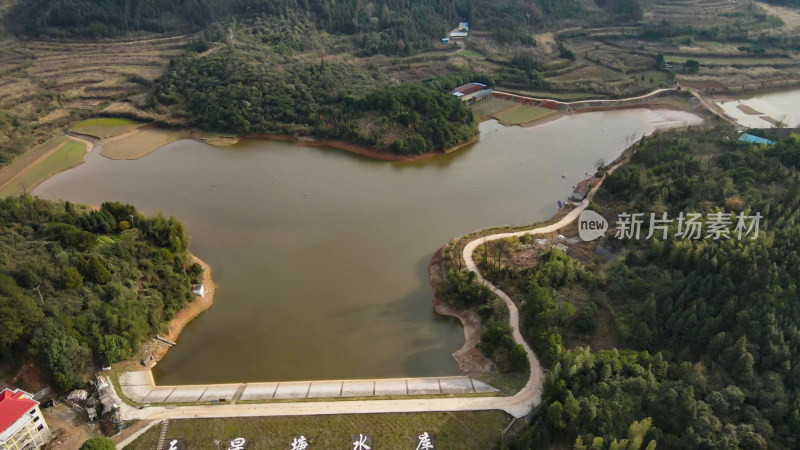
[590, 73]
[141, 143]
[491, 106]
[462, 431]
[105, 127]
[731, 61]
[48, 85]
[68, 156]
[22, 161]
[521, 115]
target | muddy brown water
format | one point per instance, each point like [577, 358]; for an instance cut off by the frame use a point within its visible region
[320, 256]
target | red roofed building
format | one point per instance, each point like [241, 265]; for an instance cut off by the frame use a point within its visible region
[21, 423]
[466, 89]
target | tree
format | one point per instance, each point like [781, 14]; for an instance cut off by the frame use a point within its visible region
[100, 443]
[113, 348]
[691, 66]
[71, 278]
[62, 353]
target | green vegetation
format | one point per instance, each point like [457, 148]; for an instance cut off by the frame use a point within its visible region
[707, 353]
[14, 137]
[383, 26]
[22, 161]
[260, 92]
[98, 444]
[523, 114]
[104, 127]
[69, 155]
[462, 289]
[462, 431]
[108, 18]
[78, 288]
[795, 3]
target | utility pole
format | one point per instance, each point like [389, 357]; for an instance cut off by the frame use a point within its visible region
[40, 294]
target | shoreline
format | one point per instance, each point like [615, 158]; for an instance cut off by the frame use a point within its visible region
[189, 312]
[358, 149]
[470, 360]
[468, 356]
[88, 147]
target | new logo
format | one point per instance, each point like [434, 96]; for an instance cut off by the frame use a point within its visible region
[591, 225]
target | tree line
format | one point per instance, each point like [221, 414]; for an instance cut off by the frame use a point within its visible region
[257, 91]
[696, 342]
[707, 329]
[84, 289]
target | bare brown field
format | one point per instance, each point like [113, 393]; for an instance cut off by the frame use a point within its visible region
[789, 16]
[49, 84]
[700, 12]
[141, 142]
[105, 127]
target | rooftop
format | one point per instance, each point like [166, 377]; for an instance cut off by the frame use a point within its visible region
[751, 139]
[584, 186]
[468, 88]
[13, 405]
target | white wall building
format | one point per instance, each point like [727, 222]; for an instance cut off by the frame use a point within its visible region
[22, 425]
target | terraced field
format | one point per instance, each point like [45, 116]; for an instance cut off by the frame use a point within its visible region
[50, 84]
[700, 12]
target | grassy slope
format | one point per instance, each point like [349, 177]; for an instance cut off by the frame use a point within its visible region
[523, 114]
[462, 431]
[21, 162]
[105, 127]
[70, 155]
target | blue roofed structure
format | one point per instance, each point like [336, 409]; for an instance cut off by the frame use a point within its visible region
[751, 139]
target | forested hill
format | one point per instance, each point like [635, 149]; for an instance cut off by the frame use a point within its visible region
[378, 24]
[416, 23]
[251, 88]
[795, 3]
[695, 343]
[84, 289]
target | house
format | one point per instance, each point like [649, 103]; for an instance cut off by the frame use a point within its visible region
[458, 34]
[466, 89]
[582, 189]
[482, 95]
[106, 399]
[199, 289]
[22, 425]
[463, 26]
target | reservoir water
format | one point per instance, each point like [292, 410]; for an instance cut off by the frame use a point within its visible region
[765, 110]
[320, 256]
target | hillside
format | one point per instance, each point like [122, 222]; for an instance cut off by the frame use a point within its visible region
[679, 343]
[81, 290]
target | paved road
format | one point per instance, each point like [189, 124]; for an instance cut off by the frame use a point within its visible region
[140, 387]
[591, 102]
